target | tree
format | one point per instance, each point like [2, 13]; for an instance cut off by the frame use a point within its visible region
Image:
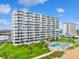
[57, 54]
[45, 43]
[30, 47]
[57, 38]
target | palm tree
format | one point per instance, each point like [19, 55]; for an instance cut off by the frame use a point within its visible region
[30, 47]
[44, 43]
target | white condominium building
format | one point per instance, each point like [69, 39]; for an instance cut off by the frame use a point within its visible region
[69, 29]
[28, 27]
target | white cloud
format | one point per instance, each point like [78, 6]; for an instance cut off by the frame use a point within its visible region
[31, 2]
[5, 8]
[60, 10]
[4, 22]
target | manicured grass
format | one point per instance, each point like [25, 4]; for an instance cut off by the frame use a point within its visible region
[22, 52]
[63, 40]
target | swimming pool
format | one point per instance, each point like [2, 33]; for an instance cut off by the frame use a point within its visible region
[55, 45]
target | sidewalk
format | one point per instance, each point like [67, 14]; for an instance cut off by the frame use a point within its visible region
[41, 56]
[2, 47]
[1, 58]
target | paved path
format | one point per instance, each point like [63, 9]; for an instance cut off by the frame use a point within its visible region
[3, 45]
[41, 56]
[1, 58]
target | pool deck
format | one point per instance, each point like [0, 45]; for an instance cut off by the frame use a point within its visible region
[62, 46]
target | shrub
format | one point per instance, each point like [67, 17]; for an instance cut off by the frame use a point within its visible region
[57, 54]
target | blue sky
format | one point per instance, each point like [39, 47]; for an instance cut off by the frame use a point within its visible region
[66, 10]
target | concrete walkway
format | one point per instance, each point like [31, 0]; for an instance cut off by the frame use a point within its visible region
[1, 58]
[2, 47]
[41, 56]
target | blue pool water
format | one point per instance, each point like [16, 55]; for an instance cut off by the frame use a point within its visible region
[55, 45]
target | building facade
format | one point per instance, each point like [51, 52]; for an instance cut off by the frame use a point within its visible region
[69, 29]
[28, 27]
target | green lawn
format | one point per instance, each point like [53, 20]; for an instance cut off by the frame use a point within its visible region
[22, 52]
